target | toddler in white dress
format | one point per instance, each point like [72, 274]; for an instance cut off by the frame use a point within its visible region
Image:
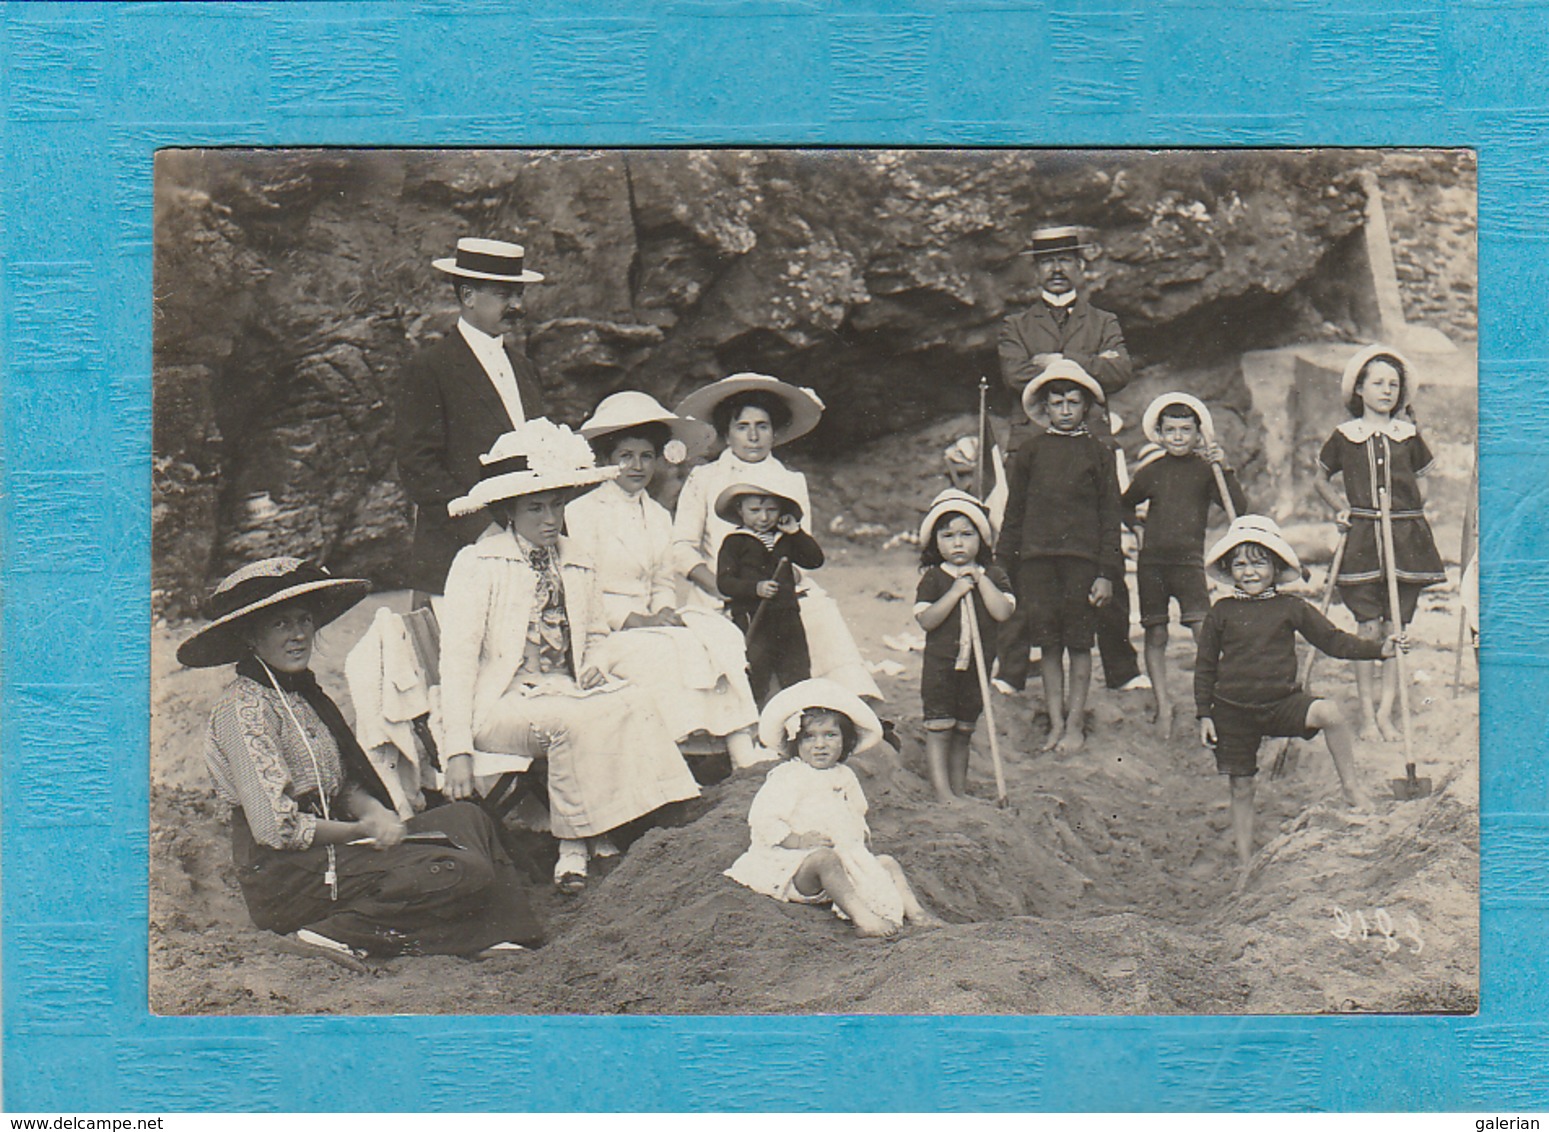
[810, 841]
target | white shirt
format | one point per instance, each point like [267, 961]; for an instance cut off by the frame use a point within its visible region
[490, 350]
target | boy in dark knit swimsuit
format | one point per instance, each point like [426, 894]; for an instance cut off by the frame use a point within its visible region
[1060, 543]
[769, 529]
[1245, 677]
[1179, 488]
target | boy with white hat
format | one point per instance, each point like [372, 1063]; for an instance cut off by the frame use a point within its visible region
[1178, 488]
[1245, 679]
[1060, 544]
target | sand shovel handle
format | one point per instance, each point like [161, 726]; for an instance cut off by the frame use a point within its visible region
[763, 603]
[1327, 599]
[1390, 569]
[1226, 495]
[972, 613]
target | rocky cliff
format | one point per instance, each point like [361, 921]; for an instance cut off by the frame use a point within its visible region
[292, 285]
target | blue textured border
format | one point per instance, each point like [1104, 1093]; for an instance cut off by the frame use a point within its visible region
[90, 91]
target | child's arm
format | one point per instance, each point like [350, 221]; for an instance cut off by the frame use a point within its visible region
[1334, 641]
[732, 575]
[1110, 549]
[797, 545]
[1207, 663]
[932, 613]
[994, 590]
[1140, 489]
[1330, 463]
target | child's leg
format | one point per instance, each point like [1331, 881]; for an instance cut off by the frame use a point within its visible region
[938, 756]
[1075, 710]
[1389, 690]
[1242, 817]
[914, 911]
[1051, 666]
[1366, 679]
[1325, 716]
[957, 757]
[1156, 668]
[822, 871]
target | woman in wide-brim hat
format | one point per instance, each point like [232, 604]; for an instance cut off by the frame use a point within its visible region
[320, 854]
[691, 661]
[754, 413]
[522, 624]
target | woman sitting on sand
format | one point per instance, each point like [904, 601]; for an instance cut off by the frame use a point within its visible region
[810, 841]
[521, 626]
[320, 855]
[691, 662]
[753, 414]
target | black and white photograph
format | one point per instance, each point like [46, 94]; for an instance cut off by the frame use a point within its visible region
[814, 581]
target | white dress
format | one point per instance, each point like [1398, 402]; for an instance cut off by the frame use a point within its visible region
[610, 757]
[797, 798]
[697, 532]
[696, 675]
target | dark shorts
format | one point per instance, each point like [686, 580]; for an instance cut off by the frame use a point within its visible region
[1368, 601]
[1239, 730]
[1159, 584]
[947, 693]
[1057, 592]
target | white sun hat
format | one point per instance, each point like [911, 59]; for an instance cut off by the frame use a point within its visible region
[783, 713]
[806, 406]
[495, 260]
[1151, 421]
[537, 455]
[630, 408]
[1372, 353]
[952, 501]
[1262, 530]
[1062, 369]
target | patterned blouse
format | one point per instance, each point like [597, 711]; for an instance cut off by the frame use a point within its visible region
[548, 631]
[260, 764]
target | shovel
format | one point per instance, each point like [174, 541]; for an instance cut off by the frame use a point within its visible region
[1278, 767]
[1408, 788]
[971, 612]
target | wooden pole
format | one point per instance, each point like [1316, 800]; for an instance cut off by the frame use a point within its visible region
[968, 608]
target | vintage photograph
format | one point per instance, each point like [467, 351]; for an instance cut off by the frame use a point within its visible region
[782, 581]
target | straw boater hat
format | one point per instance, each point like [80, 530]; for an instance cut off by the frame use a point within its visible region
[264, 585]
[494, 260]
[955, 502]
[1151, 422]
[783, 714]
[631, 408]
[1377, 350]
[1262, 530]
[1051, 241]
[726, 502]
[806, 406]
[1061, 370]
[537, 455]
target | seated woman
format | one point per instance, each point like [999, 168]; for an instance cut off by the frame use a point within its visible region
[521, 623]
[319, 854]
[690, 661]
[753, 414]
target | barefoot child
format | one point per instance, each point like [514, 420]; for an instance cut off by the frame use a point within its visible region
[763, 597]
[1378, 447]
[955, 548]
[1061, 539]
[1245, 677]
[1179, 487]
[810, 841]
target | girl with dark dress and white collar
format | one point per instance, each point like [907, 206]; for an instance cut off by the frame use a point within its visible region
[320, 854]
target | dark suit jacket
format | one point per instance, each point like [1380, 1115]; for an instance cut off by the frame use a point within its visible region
[448, 415]
[1087, 335]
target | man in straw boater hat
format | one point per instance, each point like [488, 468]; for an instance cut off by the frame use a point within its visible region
[455, 399]
[1063, 324]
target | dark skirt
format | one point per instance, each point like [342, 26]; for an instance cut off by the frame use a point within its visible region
[408, 900]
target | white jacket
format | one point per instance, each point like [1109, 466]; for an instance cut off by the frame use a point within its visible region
[484, 617]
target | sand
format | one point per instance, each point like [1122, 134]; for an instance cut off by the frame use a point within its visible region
[1109, 885]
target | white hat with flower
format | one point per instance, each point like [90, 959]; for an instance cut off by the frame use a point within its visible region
[537, 455]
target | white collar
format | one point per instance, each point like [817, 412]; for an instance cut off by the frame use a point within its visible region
[501, 542]
[1059, 302]
[1362, 429]
[478, 339]
[952, 571]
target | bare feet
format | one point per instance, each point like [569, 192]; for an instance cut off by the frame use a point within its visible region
[1359, 800]
[869, 926]
[1072, 741]
[924, 919]
[1366, 726]
[1056, 733]
[1386, 729]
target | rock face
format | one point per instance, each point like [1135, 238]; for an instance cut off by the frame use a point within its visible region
[292, 286]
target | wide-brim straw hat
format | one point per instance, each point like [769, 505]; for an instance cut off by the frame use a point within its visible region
[537, 455]
[789, 703]
[494, 260]
[806, 406]
[1262, 530]
[1370, 353]
[632, 408]
[1151, 420]
[726, 502]
[1053, 240]
[952, 501]
[1061, 370]
[264, 585]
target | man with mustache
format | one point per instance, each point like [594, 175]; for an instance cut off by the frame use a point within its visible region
[1063, 324]
[457, 397]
